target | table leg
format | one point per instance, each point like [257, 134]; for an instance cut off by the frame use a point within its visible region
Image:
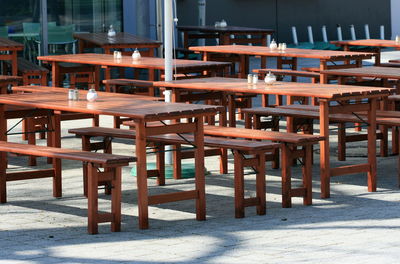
[372, 145]
[14, 62]
[3, 156]
[143, 200]
[199, 167]
[56, 142]
[378, 57]
[242, 66]
[55, 74]
[324, 148]
[323, 66]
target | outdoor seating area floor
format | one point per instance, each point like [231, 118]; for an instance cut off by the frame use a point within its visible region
[352, 226]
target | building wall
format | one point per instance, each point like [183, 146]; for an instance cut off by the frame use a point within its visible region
[281, 15]
[395, 7]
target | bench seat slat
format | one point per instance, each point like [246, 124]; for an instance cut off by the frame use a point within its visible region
[240, 144]
[61, 153]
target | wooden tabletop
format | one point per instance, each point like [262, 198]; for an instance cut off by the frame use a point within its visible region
[290, 52]
[375, 72]
[114, 105]
[228, 29]
[46, 89]
[102, 39]
[6, 44]
[326, 91]
[126, 61]
[368, 42]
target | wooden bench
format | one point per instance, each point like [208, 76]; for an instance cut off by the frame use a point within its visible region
[305, 114]
[255, 148]
[290, 141]
[93, 161]
[81, 73]
[32, 73]
[7, 80]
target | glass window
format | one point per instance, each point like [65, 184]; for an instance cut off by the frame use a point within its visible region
[86, 15]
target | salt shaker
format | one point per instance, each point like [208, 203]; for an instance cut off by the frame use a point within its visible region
[136, 55]
[76, 95]
[223, 23]
[270, 78]
[255, 78]
[273, 45]
[71, 94]
[250, 78]
[111, 32]
[397, 39]
[91, 96]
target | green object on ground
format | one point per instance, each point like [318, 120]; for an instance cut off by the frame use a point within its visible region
[187, 170]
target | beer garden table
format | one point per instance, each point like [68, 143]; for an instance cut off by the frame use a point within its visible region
[383, 73]
[121, 40]
[332, 99]
[141, 112]
[324, 56]
[9, 50]
[150, 63]
[376, 44]
[226, 35]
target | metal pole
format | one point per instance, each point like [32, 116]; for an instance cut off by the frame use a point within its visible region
[44, 48]
[168, 46]
[202, 18]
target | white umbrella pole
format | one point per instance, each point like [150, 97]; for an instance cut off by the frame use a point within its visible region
[168, 45]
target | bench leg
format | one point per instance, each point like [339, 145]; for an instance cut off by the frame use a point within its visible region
[160, 157]
[286, 161]
[32, 161]
[239, 184]
[116, 200]
[223, 162]
[307, 174]
[341, 141]
[177, 160]
[3, 177]
[384, 141]
[395, 140]
[92, 199]
[260, 184]
[94, 217]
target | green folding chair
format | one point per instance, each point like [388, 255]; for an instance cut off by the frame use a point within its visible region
[4, 31]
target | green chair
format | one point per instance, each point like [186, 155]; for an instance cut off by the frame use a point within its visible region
[60, 36]
[31, 32]
[4, 31]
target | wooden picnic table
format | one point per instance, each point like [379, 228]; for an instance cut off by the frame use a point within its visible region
[376, 44]
[8, 51]
[324, 56]
[121, 40]
[226, 35]
[383, 73]
[150, 63]
[141, 112]
[332, 99]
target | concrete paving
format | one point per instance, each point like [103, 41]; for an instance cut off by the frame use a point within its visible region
[353, 226]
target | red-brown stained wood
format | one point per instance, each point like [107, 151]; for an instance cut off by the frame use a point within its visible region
[126, 61]
[290, 52]
[233, 85]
